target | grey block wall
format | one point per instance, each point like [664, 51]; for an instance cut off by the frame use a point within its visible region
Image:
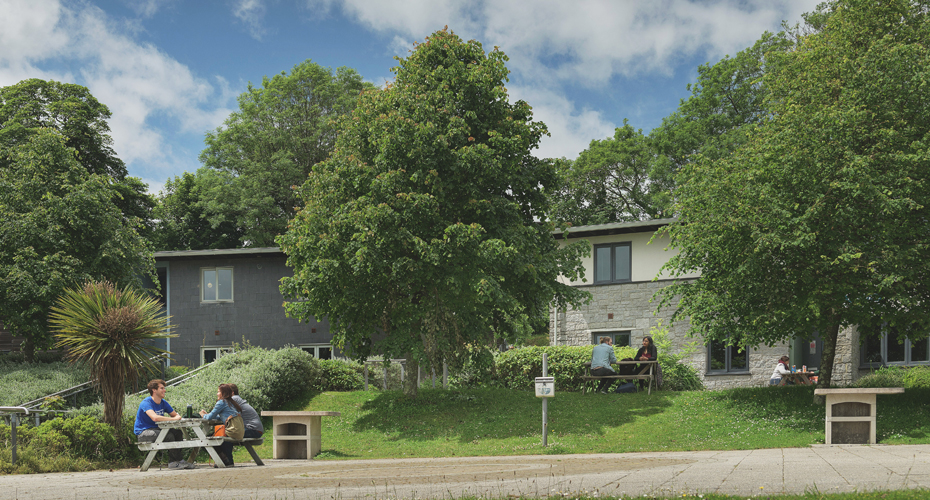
[256, 314]
[632, 309]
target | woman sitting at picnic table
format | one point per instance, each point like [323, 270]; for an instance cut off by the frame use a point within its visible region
[645, 353]
[224, 408]
[781, 369]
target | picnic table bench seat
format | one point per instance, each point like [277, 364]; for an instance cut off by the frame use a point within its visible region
[647, 373]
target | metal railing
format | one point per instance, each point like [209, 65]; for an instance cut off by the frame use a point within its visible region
[14, 412]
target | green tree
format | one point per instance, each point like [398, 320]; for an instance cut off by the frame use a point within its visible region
[421, 233]
[59, 225]
[611, 181]
[111, 330]
[32, 105]
[819, 219]
[181, 214]
[268, 147]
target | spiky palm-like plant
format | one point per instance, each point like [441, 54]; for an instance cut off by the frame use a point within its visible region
[112, 330]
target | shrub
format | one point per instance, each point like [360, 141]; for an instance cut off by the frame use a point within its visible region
[338, 375]
[517, 368]
[64, 444]
[917, 377]
[886, 376]
[678, 376]
[22, 382]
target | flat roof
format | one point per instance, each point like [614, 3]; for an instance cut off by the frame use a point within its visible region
[641, 226]
[224, 252]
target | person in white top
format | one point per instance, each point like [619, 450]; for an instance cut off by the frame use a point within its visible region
[780, 370]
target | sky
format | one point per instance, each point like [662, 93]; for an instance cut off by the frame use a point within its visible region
[170, 70]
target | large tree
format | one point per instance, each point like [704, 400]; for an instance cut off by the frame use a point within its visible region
[820, 219]
[59, 226]
[267, 148]
[422, 233]
[182, 215]
[32, 105]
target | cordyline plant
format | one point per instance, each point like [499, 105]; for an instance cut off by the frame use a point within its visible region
[112, 330]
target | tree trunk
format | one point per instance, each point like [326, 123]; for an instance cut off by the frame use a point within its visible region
[29, 350]
[412, 381]
[827, 358]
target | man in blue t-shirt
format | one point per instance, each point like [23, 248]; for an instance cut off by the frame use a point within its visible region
[601, 358]
[155, 409]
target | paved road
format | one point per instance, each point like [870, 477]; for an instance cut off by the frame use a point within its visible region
[844, 468]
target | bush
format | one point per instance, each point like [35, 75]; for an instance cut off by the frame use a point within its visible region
[518, 368]
[64, 444]
[22, 382]
[678, 376]
[917, 377]
[339, 375]
[886, 376]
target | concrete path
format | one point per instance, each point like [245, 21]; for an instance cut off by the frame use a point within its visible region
[842, 468]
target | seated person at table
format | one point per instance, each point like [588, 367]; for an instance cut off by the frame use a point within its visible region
[224, 408]
[601, 358]
[253, 424]
[155, 409]
[781, 369]
[645, 353]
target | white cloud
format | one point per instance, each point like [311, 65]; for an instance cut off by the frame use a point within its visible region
[147, 8]
[571, 130]
[138, 82]
[252, 14]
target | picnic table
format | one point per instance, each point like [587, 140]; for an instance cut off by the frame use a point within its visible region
[647, 373]
[798, 378]
[194, 439]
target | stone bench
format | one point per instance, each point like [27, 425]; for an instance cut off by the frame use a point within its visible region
[851, 413]
[297, 434]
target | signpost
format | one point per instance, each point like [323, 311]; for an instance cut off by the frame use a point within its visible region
[545, 389]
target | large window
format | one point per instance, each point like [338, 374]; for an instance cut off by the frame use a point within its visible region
[216, 284]
[884, 345]
[612, 263]
[619, 338]
[722, 358]
[319, 351]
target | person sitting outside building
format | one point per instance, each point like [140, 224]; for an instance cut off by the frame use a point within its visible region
[781, 369]
[155, 409]
[601, 358]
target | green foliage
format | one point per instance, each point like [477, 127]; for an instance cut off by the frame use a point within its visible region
[22, 382]
[65, 444]
[818, 220]
[518, 368]
[339, 375]
[421, 233]
[256, 159]
[676, 374]
[886, 376]
[113, 332]
[917, 377]
[59, 226]
[537, 340]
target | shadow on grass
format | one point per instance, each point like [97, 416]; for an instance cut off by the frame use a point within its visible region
[468, 415]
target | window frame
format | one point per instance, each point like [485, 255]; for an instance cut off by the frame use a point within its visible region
[596, 337]
[221, 350]
[232, 284]
[728, 369]
[908, 346]
[316, 350]
[613, 262]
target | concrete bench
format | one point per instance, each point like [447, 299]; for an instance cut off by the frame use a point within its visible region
[647, 373]
[851, 413]
[297, 434]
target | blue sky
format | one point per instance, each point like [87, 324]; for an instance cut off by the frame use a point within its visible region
[170, 70]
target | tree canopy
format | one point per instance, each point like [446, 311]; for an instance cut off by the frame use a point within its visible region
[421, 234]
[819, 219]
[266, 149]
[59, 226]
[183, 216]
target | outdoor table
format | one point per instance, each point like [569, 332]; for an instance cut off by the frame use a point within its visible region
[799, 378]
[194, 438]
[647, 373]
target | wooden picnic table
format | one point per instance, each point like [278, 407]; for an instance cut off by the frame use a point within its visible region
[194, 438]
[647, 373]
[798, 378]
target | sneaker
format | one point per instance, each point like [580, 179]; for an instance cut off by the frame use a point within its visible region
[188, 465]
[603, 392]
[175, 465]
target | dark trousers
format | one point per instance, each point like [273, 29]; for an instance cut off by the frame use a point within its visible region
[603, 372]
[150, 435]
[226, 449]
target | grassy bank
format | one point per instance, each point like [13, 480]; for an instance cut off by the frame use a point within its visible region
[506, 422]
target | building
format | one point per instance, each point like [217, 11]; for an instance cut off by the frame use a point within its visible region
[219, 298]
[623, 273]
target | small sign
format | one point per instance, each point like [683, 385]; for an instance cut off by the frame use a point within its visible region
[545, 387]
[813, 347]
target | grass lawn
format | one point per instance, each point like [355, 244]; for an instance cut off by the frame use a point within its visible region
[507, 422]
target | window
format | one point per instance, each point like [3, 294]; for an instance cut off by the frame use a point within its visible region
[722, 358]
[216, 284]
[619, 338]
[884, 345]
[211, 354]
[612, 263]
[319, 351]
